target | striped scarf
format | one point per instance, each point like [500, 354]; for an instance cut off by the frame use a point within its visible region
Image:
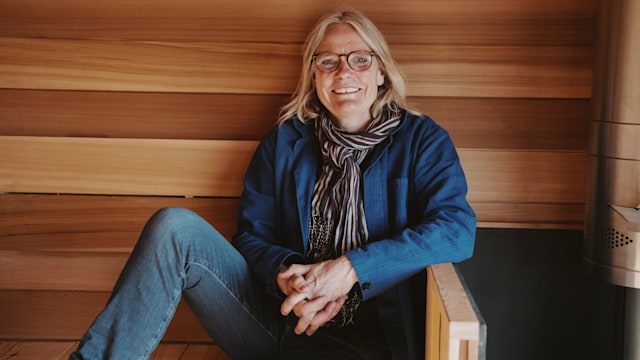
[338, 222]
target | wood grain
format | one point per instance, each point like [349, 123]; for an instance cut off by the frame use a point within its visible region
[452, 318]
[477, 123]
[123, 166]
[12, 350]
[175, 167]
[120, 216]
[61, 350]
[66, 315]
[256, 68]
[489, 22]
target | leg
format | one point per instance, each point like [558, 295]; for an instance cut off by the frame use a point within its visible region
[179, 253]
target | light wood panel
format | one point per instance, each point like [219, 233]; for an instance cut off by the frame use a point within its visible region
[253, 68]
[113, 224]
[525, 176]
[216, 168]
[456, 329]
[61, 350]
[120, 217]
[138, 115]
[204, 352]
[123, 166]
[432, 21]
[535, 124]
[148, 66]
[50, 350]
[66, 315]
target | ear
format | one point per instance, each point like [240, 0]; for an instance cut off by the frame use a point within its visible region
[380, 77]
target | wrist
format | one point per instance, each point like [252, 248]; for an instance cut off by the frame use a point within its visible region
[351, 274]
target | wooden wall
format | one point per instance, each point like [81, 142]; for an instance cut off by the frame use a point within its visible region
[110, 109]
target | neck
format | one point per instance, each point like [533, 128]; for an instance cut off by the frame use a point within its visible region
[352, 125]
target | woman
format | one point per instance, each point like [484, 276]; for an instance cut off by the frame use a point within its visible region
[345, 203]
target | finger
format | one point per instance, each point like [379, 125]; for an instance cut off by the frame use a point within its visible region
[325, 315]
[290, 302]
[297, 282]
[294, 269]
[306, 312]
[321, 318]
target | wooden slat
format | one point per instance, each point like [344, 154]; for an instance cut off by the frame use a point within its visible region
[535, 124]
[453, 321]
[216, 168]
[138, 115]
[209, 352]
[497, 71]
[469, 71]
[436, 21]
[148, 66]
[60, 350]
[525, 176]
[530, 216]
[169, 351]
[35, 270]
[50, 350]
[66, 315]
[113, 224]
[123, 166]
[121, 218]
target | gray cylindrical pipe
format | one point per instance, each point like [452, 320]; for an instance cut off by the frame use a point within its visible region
[612, 218]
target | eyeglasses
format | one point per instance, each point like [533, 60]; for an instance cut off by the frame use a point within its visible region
[359, 60]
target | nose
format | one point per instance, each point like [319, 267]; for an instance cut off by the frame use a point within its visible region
[343, 66]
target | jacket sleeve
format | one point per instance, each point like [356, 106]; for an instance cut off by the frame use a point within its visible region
[256, 237]
[440, 226]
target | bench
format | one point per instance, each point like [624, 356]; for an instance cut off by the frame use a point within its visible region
[112, 110]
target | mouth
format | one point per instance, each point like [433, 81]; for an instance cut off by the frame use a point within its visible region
[346, 90]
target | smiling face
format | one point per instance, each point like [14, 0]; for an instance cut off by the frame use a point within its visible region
[347, 94]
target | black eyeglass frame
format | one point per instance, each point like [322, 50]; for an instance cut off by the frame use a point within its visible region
[369, 52]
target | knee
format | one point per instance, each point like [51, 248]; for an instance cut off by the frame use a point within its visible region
[171, 217]
[181, 225]
[171, 225]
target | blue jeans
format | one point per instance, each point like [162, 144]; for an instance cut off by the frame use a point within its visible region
[181, 255]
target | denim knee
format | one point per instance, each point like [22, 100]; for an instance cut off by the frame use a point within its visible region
[176, 227]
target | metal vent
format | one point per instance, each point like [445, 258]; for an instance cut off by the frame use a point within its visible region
[615, 239]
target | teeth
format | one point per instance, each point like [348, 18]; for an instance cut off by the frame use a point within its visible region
[346, 90]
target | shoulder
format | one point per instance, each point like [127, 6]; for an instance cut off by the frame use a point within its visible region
[421, 128]
[290, 130]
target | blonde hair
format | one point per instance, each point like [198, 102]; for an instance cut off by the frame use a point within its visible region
[304, 102]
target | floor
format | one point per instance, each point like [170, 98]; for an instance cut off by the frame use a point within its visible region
[60, 350]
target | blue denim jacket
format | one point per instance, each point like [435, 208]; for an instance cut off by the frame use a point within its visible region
[415, 206]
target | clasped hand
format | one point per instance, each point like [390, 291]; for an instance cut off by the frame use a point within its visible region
[316, 292]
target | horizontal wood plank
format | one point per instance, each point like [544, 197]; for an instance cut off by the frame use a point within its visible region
[216, 168]
[120, 217]
[61, 350]
[434, 21]
[123, 166]
[447, 70]
[41, 350]
[209, 352]
[138, 115]
[525, 176]
[478, 123]
[66, 315]
[113, 224]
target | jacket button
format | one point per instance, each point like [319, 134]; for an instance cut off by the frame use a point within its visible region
[366, 286]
